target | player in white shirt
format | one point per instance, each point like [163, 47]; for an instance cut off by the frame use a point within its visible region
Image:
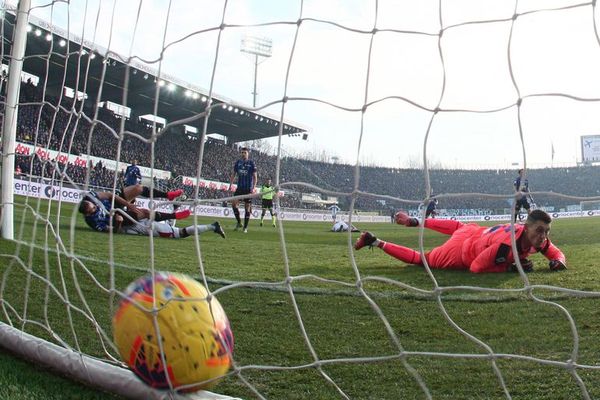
[342, 226]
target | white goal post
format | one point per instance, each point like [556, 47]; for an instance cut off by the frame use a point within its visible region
[65, 361]
[88, 370]
[9, 128]
[590, 207]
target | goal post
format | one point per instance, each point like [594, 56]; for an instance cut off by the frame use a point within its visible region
[88, 370]
[97, 372]
[11, 111]
[590, 207]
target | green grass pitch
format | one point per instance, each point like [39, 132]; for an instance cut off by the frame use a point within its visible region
[340, 323]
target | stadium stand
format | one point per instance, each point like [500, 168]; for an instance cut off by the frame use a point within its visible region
[174, 153]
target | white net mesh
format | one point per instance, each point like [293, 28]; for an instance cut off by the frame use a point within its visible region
[311, 319]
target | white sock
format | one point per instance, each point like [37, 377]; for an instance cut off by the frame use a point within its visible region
[198, 228]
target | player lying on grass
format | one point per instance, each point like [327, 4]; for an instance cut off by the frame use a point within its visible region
[477, 248]
[342, 226]
[96, 206]
[148, 227]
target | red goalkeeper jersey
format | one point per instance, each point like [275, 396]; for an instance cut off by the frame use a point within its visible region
[482, 249]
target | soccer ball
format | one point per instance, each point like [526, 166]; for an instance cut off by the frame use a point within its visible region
[196, 337]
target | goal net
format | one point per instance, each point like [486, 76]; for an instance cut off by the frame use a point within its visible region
[89, 88]
[590, 206]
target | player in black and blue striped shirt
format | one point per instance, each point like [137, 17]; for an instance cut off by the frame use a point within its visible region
[96, 209]
[245, 169]
[96, 206]
[521, 185]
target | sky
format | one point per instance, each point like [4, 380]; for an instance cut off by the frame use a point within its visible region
[369, 97]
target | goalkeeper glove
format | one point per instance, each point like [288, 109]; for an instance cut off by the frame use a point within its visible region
[556, 265]
[526, 263]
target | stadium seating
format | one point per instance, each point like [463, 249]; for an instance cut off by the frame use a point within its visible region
[174, 152]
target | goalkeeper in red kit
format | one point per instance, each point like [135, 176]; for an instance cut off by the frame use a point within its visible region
[477, 248]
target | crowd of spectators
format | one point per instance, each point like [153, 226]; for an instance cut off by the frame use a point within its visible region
[68, 128]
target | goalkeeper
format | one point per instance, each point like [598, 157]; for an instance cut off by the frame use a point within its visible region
[477, 248]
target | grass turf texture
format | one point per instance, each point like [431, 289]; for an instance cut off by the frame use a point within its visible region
[340, 323]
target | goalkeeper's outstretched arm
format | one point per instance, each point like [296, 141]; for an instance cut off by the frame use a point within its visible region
[555, 256]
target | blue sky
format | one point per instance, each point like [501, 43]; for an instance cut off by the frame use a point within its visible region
[551, 52]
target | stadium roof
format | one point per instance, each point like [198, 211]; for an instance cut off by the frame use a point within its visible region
[178, 100]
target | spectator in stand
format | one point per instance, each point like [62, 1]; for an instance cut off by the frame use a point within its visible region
[60, 127]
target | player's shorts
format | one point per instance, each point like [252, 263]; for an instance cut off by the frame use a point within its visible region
[523, 203]
[240, 192]
[267, 203]
[146, 227]
[142, 227]
[119, 192]
[127, 221]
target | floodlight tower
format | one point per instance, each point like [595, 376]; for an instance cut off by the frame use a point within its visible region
[258, 47]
